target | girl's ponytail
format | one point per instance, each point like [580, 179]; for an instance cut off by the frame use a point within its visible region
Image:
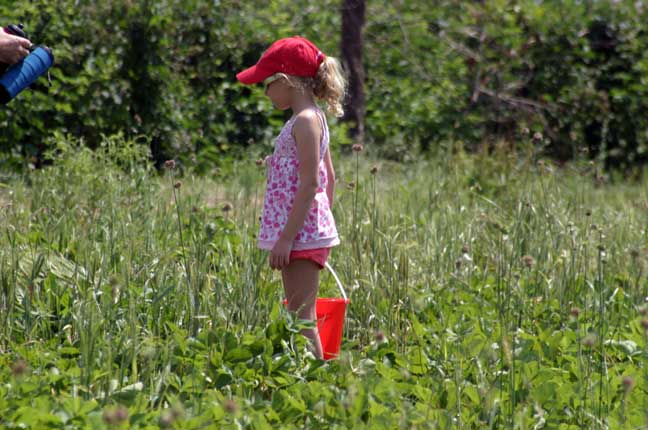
[330, 85]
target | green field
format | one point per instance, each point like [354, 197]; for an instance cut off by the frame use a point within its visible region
[488, 291]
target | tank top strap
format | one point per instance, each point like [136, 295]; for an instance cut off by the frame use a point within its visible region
[325, 133]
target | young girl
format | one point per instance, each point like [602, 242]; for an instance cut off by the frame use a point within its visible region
[297, 225]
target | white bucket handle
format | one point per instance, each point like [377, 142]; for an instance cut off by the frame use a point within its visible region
[337, 280]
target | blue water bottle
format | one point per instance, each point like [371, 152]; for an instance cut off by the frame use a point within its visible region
[24, 73]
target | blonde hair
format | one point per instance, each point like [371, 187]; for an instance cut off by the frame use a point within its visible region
[329, 85]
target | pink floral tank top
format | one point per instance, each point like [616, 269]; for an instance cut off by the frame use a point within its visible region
[282, 183]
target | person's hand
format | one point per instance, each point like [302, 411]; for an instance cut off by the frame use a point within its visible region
[280, 254]
[13, 48]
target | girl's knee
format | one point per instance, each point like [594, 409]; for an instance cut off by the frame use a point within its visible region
[304, 310]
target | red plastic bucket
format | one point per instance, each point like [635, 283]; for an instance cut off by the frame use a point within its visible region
[330, 319]
[330, 324]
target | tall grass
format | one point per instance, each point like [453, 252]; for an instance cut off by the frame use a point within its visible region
[488, 291]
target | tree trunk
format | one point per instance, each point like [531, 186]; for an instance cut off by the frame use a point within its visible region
[353, 19]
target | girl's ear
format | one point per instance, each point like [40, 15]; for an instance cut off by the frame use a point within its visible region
[291, 90]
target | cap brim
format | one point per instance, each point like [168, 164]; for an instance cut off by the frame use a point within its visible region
[253, 75]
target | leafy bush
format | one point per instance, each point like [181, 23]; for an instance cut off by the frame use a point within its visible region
[468, 72]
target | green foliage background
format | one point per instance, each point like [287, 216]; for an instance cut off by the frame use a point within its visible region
[575, 71]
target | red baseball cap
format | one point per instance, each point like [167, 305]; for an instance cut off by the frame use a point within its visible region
[296, 56]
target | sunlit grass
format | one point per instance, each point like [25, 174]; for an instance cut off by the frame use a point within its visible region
[487, 292]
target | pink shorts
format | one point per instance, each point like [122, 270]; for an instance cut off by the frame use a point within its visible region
[317, 256]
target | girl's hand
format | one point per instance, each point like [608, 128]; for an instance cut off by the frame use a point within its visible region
[280, 254]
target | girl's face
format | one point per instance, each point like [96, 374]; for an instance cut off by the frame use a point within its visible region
[280, 92]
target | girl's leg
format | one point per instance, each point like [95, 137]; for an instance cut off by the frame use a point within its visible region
[301, 282]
